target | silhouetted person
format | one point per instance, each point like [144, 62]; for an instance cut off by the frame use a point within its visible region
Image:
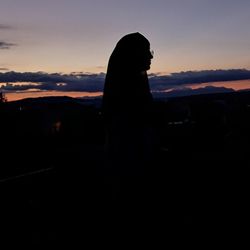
[127, 106]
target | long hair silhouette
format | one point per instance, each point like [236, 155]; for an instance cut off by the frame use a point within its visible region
[127, 100]
[126, 85]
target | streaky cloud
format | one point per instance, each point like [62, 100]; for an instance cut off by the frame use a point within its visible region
[173, 80]
[6, 45]
[5, 27]
[4, 69]
[89, 82]
[52, 81]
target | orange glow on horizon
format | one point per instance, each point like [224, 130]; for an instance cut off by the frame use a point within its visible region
[21, 95]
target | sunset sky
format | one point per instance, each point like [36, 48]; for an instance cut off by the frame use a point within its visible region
[62, 46]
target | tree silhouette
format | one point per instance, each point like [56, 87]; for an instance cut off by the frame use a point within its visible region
[2, 97]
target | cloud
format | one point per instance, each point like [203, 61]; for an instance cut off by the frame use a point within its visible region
[87, 82]
[5, 27]
[55, 81]
[196, 77]
[101, 67]
[4, 69]
[5, 45]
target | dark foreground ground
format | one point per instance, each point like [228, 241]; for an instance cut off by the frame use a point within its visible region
[55, 189]
[78, 205]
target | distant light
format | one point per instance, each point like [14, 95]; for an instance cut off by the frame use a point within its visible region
[61, 84]
[57, 126]
[176, 123]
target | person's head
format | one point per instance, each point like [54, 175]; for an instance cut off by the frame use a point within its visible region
[126, 83]
[132, 52]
